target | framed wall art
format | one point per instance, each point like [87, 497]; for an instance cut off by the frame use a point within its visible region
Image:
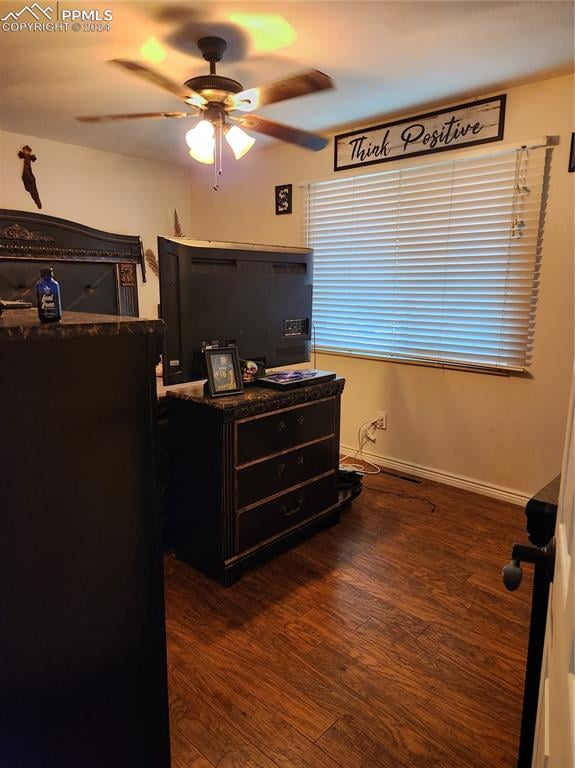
[466, 125]
[283, 199]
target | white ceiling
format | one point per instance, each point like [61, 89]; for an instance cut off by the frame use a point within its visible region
[385, 57]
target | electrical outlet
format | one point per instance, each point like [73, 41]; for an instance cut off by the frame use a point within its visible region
[381, 417]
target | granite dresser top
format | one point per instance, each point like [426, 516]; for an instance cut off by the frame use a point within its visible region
[255, 399]
[23, 324]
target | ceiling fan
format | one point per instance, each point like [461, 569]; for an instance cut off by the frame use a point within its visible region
[214, 99]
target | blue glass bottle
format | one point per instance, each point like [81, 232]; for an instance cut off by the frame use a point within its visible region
[48, 297]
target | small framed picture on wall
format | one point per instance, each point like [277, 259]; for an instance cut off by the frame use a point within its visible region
[283, 199]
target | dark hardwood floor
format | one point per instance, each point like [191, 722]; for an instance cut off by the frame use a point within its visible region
[385, 642]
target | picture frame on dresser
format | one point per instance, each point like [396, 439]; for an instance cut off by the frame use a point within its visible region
[223, 371]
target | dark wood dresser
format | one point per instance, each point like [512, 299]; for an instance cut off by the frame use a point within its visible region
[251, 472]
[82, 649]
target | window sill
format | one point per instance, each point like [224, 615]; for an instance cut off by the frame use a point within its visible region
[453, 366]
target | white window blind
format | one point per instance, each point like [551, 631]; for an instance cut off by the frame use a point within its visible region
[435, 264]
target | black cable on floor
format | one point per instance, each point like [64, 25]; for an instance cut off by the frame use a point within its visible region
[403, 496]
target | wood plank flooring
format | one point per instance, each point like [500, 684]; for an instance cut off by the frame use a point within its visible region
[385, 642]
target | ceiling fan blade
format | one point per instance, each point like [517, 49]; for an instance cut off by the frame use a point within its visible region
[284, 132]
[297, 85]
[135, 116]
[182, 91]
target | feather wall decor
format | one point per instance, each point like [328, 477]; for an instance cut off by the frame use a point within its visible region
[151, 258]
[177, 228]
[152, 261]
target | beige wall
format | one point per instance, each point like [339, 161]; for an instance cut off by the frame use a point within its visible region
[112, 192]
[500, 433]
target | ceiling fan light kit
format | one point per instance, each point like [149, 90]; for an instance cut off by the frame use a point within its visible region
[201, 141]
[239, 141]
[214, 97]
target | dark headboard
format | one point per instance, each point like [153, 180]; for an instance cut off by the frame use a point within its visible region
[96, 270]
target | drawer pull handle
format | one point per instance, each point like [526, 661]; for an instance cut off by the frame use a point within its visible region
[280, 469]
[282, 426]
[286, 512]
[300, 461]
[301, 420]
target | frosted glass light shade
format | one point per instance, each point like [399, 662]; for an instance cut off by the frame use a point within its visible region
[239, 141]
[201, 142]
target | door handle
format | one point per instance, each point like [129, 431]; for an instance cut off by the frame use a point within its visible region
[512, 573]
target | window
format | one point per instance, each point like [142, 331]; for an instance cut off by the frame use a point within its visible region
[435, 264]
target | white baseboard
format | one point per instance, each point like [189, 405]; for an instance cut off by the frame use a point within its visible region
[458, 481]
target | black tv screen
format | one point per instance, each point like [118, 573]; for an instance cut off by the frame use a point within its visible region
[258, 297]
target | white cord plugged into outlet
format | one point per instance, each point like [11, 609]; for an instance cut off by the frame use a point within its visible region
[366, 431]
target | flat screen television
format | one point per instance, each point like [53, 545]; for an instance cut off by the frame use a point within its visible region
[258, 297]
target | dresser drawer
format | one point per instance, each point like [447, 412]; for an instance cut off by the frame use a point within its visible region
[256, 438]
[260, 523]
[271, 476]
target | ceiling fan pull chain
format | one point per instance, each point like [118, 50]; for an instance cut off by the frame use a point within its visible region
[221, 162]
[218, 155]
[216, 159]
